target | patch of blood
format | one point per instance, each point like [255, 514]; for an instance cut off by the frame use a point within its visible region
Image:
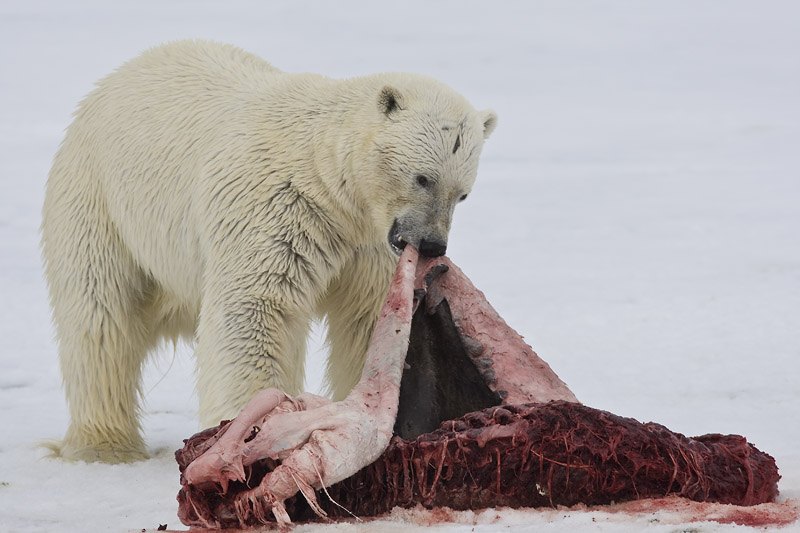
[674, 510]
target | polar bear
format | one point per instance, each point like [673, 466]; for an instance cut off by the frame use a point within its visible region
[202, 193]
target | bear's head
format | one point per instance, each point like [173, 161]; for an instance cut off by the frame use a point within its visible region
[426, 151]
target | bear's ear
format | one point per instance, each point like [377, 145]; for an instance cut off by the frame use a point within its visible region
[389, 100]
[489, 120]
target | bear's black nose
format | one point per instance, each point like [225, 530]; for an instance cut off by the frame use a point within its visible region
[432, 248]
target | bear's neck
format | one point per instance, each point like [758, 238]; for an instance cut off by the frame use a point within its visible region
[329, 128]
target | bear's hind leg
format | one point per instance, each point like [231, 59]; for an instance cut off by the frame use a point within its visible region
[96, 292]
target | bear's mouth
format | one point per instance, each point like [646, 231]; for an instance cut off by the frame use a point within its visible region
[395, 240]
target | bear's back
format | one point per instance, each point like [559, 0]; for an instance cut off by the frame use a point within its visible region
[147, 132]
[185, 72]
[181, 60]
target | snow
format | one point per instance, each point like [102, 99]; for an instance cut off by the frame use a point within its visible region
[636, 217]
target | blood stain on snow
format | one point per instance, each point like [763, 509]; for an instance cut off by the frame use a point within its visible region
[765, 514]
[670, 510]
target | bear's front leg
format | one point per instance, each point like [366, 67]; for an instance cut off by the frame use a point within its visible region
[251, 336]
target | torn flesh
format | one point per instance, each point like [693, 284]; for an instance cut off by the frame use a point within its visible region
[317, 442]
[480, 421]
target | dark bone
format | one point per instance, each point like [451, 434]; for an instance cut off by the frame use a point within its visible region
[440, 382]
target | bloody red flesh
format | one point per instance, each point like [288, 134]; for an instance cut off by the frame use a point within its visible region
[485, 423]
[529, 455]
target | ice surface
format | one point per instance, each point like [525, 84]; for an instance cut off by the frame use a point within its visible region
[640, 198]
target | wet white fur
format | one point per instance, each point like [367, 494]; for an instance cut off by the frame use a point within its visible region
[200, 192]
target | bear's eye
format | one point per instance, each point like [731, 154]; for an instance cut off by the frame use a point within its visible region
[423, 181]
[463, 197]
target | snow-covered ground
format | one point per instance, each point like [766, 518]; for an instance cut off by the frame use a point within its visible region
[637, 217]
